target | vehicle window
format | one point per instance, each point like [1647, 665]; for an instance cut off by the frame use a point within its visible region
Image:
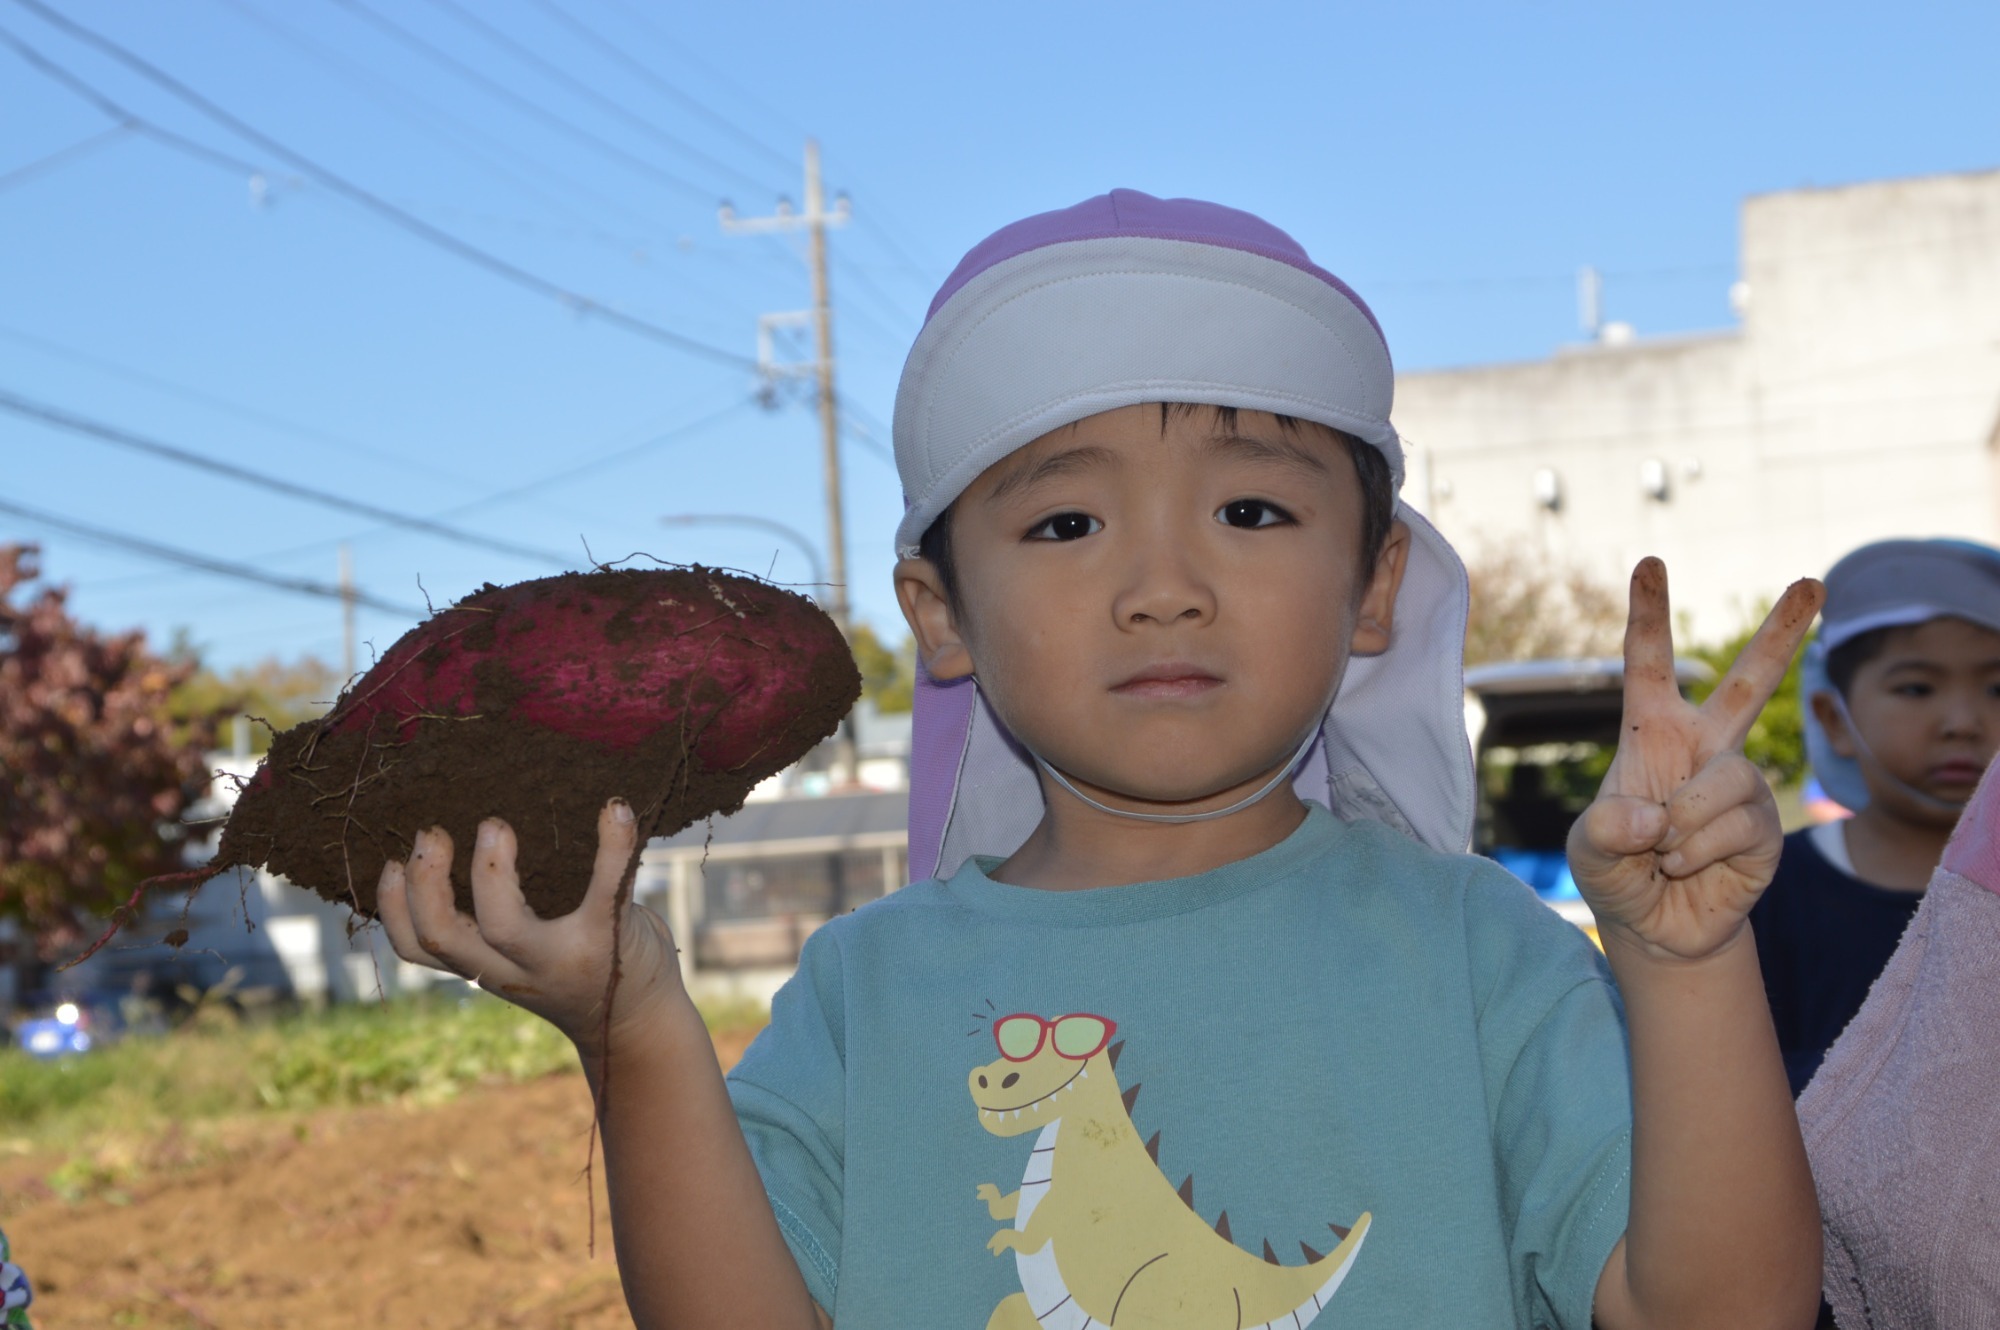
[1529, 795]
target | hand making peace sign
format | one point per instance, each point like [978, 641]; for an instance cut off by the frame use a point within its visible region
[1684, 834]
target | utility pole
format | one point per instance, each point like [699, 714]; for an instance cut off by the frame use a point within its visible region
[347, 595]
[1590, 302]
[814, 220]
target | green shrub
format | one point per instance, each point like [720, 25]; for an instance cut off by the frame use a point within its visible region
[422, 1050]
[1777, 739]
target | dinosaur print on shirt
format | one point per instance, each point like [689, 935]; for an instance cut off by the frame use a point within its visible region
[1100, 1237]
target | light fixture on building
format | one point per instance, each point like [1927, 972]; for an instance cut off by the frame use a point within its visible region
[1653, 479]
[1548, 488]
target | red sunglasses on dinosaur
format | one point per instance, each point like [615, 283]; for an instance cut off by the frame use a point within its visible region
[1076, 1036]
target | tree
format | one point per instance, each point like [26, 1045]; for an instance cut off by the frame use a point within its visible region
[1777, 741]
[888, 678]
[279, 693]
[99, 768]
[1527, 605]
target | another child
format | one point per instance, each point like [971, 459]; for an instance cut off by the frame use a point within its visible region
[1903, 1120]
[1903, 693]
[1204, 1020]
[15, 1294]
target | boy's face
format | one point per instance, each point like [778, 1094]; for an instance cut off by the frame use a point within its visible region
[1927, 705]
[1161, 613]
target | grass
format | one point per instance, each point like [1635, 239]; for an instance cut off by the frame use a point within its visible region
[418, 1050]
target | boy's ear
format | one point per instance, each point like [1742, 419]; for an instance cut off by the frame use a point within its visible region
[1375, 621]
[1833, 719]
[928, 611]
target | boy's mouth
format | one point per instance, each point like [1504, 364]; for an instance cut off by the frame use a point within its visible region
[1168, 679]
[1956, 773]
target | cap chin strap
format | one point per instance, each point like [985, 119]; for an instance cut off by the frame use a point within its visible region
[1921, 796]
[1282, 775]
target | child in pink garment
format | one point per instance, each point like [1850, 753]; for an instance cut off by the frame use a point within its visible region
[1903, 1120]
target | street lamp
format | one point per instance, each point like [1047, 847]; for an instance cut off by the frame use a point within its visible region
[797, 539]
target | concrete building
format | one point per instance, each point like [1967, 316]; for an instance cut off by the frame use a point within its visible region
[1857, 399]
[742, 892]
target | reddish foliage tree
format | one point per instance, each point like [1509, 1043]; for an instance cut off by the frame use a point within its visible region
[98, 769]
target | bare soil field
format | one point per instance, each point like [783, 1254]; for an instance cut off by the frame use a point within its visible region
[471, 1213]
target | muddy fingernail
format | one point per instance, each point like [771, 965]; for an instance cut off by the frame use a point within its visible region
[621, 811]
[489, 834]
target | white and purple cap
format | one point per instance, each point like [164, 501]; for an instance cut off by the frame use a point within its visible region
[1889, 584]
[1124, 299]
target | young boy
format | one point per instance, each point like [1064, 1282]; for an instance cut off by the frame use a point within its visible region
[1151, 535]
[1903, 693]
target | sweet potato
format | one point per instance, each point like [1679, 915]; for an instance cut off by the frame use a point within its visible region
[677, 690]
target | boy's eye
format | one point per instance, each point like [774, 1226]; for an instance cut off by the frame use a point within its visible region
[1912, 690]
[1249, 513]
[1065, 526]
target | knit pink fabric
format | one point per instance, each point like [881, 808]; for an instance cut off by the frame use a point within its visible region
[1903, 1120]
[1974, 851]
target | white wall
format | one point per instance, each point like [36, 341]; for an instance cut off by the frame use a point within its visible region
[1858, 400]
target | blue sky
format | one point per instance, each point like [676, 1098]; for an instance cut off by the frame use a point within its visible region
[1456, 162]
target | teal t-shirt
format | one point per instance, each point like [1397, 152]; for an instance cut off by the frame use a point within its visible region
[1396, 1086]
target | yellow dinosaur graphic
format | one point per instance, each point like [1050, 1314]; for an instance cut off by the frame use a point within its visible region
[1099, 1236]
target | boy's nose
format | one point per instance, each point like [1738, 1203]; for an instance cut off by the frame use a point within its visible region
[1963, 715]
[1165, 592]
[1165, 607]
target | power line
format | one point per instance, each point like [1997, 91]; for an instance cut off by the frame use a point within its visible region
[451, 129]
[75, 424]
[1674, 273]
[621, 56]
[579, 470]
[202, 562]
[113, 111]
[611, 106]
[399, 102]
[858, 313]
[61, 157]
[855, 422]
[639, 17]
[354, 193]
[527, 105]
[211, 401]
[538, 487]
[922, 272]
[889, 303]
[917, 272]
